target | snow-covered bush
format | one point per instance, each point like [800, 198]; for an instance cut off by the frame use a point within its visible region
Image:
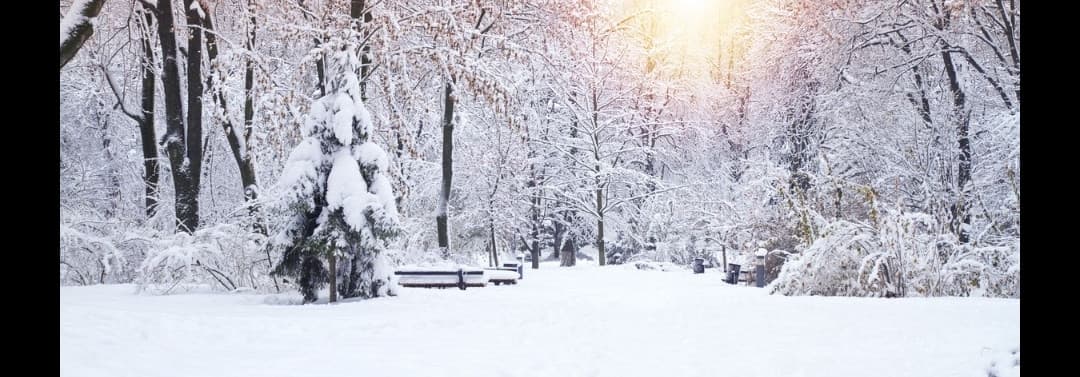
[98, 251]
[906, 254]
[224, 256]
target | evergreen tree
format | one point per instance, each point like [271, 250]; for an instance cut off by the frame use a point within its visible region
[337, 189]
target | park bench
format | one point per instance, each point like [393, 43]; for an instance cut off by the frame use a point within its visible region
[441, 277]
[507, 273]
[501, 275]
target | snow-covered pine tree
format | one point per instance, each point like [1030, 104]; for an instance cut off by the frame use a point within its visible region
[339, 195]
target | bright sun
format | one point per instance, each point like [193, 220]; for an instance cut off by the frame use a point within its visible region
[690, 6]
[688, 34]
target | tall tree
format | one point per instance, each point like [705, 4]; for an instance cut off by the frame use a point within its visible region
[182, 140]
[239, 138]
[144, 116]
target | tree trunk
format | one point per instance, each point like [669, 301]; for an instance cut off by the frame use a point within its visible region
[922, 104]
[146, 122]
[358, 11]
[799, 135]
[566, 235]
[248, 178]
[600, 253]
[184, 169]
[194, 114]
[240, 144]
[569, 260]
[961, 218]
[494, 247]
[320, 70]
[447, 168]
[84, 12]
[332, 262]
[1009, 23]
[534, 215]
[534, 246]
[557, 236]
[723, 254]
[569, 253]
[113, 185]
[650, 160]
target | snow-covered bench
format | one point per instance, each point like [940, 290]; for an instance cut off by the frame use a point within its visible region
[502, 275]
[441, 277]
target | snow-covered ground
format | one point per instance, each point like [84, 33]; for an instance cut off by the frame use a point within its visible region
[582, 321]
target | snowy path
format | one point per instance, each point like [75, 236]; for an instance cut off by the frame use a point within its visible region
[583, 321]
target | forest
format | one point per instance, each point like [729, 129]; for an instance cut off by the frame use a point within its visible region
[871, 147]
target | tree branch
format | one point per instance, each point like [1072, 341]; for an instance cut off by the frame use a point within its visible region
[76, 27]
[119, 100]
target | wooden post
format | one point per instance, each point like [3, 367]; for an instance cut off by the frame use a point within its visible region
[461, 279]
[333, 277]
[723, 253]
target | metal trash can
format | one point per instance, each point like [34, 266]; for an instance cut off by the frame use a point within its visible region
[699, 265]
[733, 273]
[759, 275]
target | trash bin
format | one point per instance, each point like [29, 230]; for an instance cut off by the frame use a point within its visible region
[699, 265]
[521, 266]
[733, 273]
[759, 275]
[759, 268]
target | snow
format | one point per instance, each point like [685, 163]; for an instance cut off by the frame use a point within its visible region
[343, 118]
[198, 10]
[440, 267]
[300, 171]
[1006, 363]
[581, 321]
[382, 267]
[347, 190]
[384, 193]
[68, 24]
[362, 114]
[658, 266]
[315, 118]
[370, 154]
[73, 18]
[500, 275]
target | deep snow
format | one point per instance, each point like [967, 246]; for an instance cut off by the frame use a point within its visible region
[581, 321]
